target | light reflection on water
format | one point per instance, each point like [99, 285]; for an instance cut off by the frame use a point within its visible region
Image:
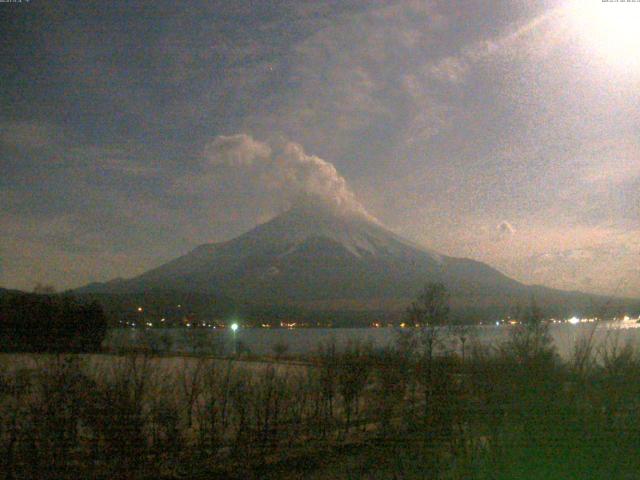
[262, 341]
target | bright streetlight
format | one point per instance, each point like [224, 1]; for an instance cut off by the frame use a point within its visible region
[234, 328]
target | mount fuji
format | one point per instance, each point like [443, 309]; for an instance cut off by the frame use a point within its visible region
[315, 258]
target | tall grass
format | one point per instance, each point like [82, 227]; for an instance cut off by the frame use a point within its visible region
[513, 410]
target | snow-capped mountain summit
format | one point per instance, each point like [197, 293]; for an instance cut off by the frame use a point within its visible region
[311, 254]
[357, 234]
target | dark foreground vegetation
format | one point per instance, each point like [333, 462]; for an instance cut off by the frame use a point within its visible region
[31, 322]
[509, 411]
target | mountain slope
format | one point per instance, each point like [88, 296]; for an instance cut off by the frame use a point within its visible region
[313, 257]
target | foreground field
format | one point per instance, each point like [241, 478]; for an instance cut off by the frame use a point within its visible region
[512, 410]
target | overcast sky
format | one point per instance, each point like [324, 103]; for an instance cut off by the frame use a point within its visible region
[505, 131]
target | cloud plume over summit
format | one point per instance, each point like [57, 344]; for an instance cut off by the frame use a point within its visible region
[285, 172]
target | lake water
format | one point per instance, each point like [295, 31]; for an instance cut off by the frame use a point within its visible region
[263, 341]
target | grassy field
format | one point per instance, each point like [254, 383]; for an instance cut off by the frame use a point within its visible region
[508, 411]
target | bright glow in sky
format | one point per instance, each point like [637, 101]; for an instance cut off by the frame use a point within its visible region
[611, 28]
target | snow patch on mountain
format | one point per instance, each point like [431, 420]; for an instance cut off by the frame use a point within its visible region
[357, 235]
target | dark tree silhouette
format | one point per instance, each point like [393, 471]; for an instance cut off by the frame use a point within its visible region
[31, 322]
[430, 311]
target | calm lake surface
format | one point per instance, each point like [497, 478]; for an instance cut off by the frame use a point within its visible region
[263, 341]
